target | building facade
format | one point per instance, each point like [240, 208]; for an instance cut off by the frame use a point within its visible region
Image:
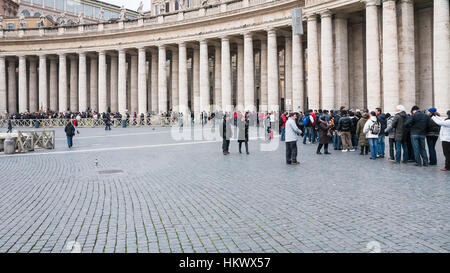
[359, 54]
[8, 8]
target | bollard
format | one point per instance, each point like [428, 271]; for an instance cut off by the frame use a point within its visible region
[10, 146]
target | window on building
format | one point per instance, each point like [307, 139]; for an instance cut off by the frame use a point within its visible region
[177, 6]
[50, 3]
[26, 12]
[188, 3]
[69, 21]
[167, 7]
[89, 10]
[28, 1]
[107, 15]
[38, 25]
[10, 26]
[37, 2]
[50, 17]
[156, 10]
[37, 14]
[70, 6]
[60, 4]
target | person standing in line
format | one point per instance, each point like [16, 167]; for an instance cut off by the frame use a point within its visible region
[292, 132]
[10, 127]
[432, 137]
[390, 133]
[243, 125]
[400, 134]
[324, 134]
[444, 135]
[362, 139]
[225, 132]
[70, 132]
[372, 129]
[418, 124]
[283, 125]
[344, 128]
[381, 146]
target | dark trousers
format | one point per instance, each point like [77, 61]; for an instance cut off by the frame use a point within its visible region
[291, 152]
[399, 145]
[446, 148]
[391, 148]
[431, 143]
[322, 145]
[420, 154]
[70, 141]
[246, 145]
[225, 145]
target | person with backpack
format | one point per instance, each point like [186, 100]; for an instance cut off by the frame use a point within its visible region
[308, 125]
[70, 132]
[372, 129]
[344, 129]
[418, 124]
[444, 135]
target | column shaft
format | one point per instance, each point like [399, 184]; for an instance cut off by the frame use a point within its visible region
[32, 86]
[23, 104]
[249, 72]
[94, 84]
[43, 91]
[142, 78]
[175, 92]
[327, 60]
[102, 92]
[3, 90]
[134, 83]
[196, 81]
[183, 80]
[82, 83]
[297, 73]
[313, 65]
[53, 84]
[162, 79]
[154, 81]
[63, 103]
[264, 94]
[288, 73]
[272, 74]
[226, 75]
[114, 78]
[342, 84]
[217, 79]
[390, 57]
[73, 84]
[12, 87]
[204, 76]
[240, 78]
[122, 83]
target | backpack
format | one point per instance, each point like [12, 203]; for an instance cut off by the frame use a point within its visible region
[375, 128]
[306, 121]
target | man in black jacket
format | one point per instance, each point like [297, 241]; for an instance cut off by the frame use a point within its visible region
[225, 132]
[418, 124]
[398, 123]
[70, 132]
[344, 128]
[381, 117]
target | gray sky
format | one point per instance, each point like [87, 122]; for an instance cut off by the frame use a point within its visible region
[130, 4]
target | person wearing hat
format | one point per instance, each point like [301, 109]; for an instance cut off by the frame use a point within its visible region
[432, 136]
[444, 135]
[418, 124]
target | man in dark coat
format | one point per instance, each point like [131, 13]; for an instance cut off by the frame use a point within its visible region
[418, 124]
[9, 127]
[225, 132]
[243, 124]
[381, 117]
[70, 132]
[398, 123]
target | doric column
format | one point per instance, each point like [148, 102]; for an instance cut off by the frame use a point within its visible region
[327, 60]
[3, 92]
[82, 83]
[12, 86]
[264, 101]
[73, 84]
[63, 105]
[23, 104]
[441, 55]
[373, 65]
[102, 93]
[226, 75]
[43, 97]
[217, 78]
[114, 78]
[142, 75]
[134, 83]
[94, 83]
[32, 86]
[54, 84]
[342, 84]
[313, 64]
[154, 81]
[182, 79]
[196, 82]
[240, 77]
[122, 82]
[298, 89]
[390, 57]
[162, 79]
[249, 72]
[174, 85]
[204, 76]
[288, 73]
[272, 74]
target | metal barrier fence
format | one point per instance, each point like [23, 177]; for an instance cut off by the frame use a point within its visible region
[30, 140]
[88, 122]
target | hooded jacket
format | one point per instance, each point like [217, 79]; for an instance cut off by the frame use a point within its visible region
[444, 134]
[418, 123]
[399, 125]
[367, 126]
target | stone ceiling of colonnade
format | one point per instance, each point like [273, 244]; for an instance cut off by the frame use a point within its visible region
[272, 14]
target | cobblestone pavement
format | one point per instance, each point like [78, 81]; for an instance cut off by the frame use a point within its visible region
[183, 196]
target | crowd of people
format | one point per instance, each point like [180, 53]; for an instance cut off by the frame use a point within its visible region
[409, 135]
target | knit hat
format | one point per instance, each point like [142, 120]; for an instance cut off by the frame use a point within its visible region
[415, 108]
[432, 110]
[400, 108]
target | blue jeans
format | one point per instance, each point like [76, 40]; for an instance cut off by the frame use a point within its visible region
[398, 151]
[283, 131]
[380, 145]
[420, 154]
[354, 141]
[337, 142]
[431, 143]
[373, 147]
[308, 134]
[69, 141]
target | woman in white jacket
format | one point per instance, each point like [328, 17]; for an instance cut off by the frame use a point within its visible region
[445, 137]
[372, 134]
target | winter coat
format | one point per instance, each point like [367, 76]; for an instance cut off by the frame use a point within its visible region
[70, 130]
[398, 123]
[292, 131]
[362, 140]
[243, 130]
[418, 124]
[389, 130]
[382, 120]
[444, 134]
[433, 128]
[323, 132]
[345, 124]
[225, 130]
[367, 127]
